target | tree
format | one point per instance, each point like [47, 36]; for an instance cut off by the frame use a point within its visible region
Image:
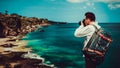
[6, 12]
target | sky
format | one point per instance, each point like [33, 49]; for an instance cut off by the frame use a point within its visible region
[106, 11]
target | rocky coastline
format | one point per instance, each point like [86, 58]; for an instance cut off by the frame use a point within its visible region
[13, 51]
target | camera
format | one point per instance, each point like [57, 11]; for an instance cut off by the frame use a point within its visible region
[83, 21]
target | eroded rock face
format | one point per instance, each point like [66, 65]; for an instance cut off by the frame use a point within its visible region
[14, 25]
[9, 26]
[2, 27]
[8, 45]
[14, 60]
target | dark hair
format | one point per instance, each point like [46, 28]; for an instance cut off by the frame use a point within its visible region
[90, 16]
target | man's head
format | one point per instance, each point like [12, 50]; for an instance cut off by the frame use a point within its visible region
[89, 17]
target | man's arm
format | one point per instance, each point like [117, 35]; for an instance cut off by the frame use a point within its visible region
[82, 31]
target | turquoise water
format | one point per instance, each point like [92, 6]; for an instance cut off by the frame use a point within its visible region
[58, 46]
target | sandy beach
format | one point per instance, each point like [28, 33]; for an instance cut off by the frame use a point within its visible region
[14, 53]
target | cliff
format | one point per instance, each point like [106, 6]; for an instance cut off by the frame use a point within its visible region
[13, 50]
[14, 24]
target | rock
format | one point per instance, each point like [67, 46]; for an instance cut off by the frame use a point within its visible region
[44, 66]
[7, 65]
[17, 55]
[13, 54]
[2, 35]
[7, 50]
[8, 45]
[11, 40]
[41, 30]
[18, 66]
[22, 60]
[32, 56]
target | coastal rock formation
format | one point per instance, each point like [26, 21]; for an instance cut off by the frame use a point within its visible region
[14, 24]
[15, 54]
[13, 51]
[2, 27]
[14, 60]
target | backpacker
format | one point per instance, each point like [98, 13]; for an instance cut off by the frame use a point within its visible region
[97, 46]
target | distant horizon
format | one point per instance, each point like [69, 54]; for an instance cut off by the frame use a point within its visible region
[64, 10]
[62, 21]
[102, 22]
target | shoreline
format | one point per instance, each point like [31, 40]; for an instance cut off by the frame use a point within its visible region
[15, 54]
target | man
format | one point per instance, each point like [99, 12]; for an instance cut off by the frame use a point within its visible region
[86, 29]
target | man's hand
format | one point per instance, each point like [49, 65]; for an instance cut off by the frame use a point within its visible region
[80, 23]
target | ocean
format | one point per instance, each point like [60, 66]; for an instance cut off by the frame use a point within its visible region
[58, 45]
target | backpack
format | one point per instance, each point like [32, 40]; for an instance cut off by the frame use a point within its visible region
[97, 46]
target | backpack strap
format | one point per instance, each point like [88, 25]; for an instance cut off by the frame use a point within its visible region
[92, 37]
[96, 29]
